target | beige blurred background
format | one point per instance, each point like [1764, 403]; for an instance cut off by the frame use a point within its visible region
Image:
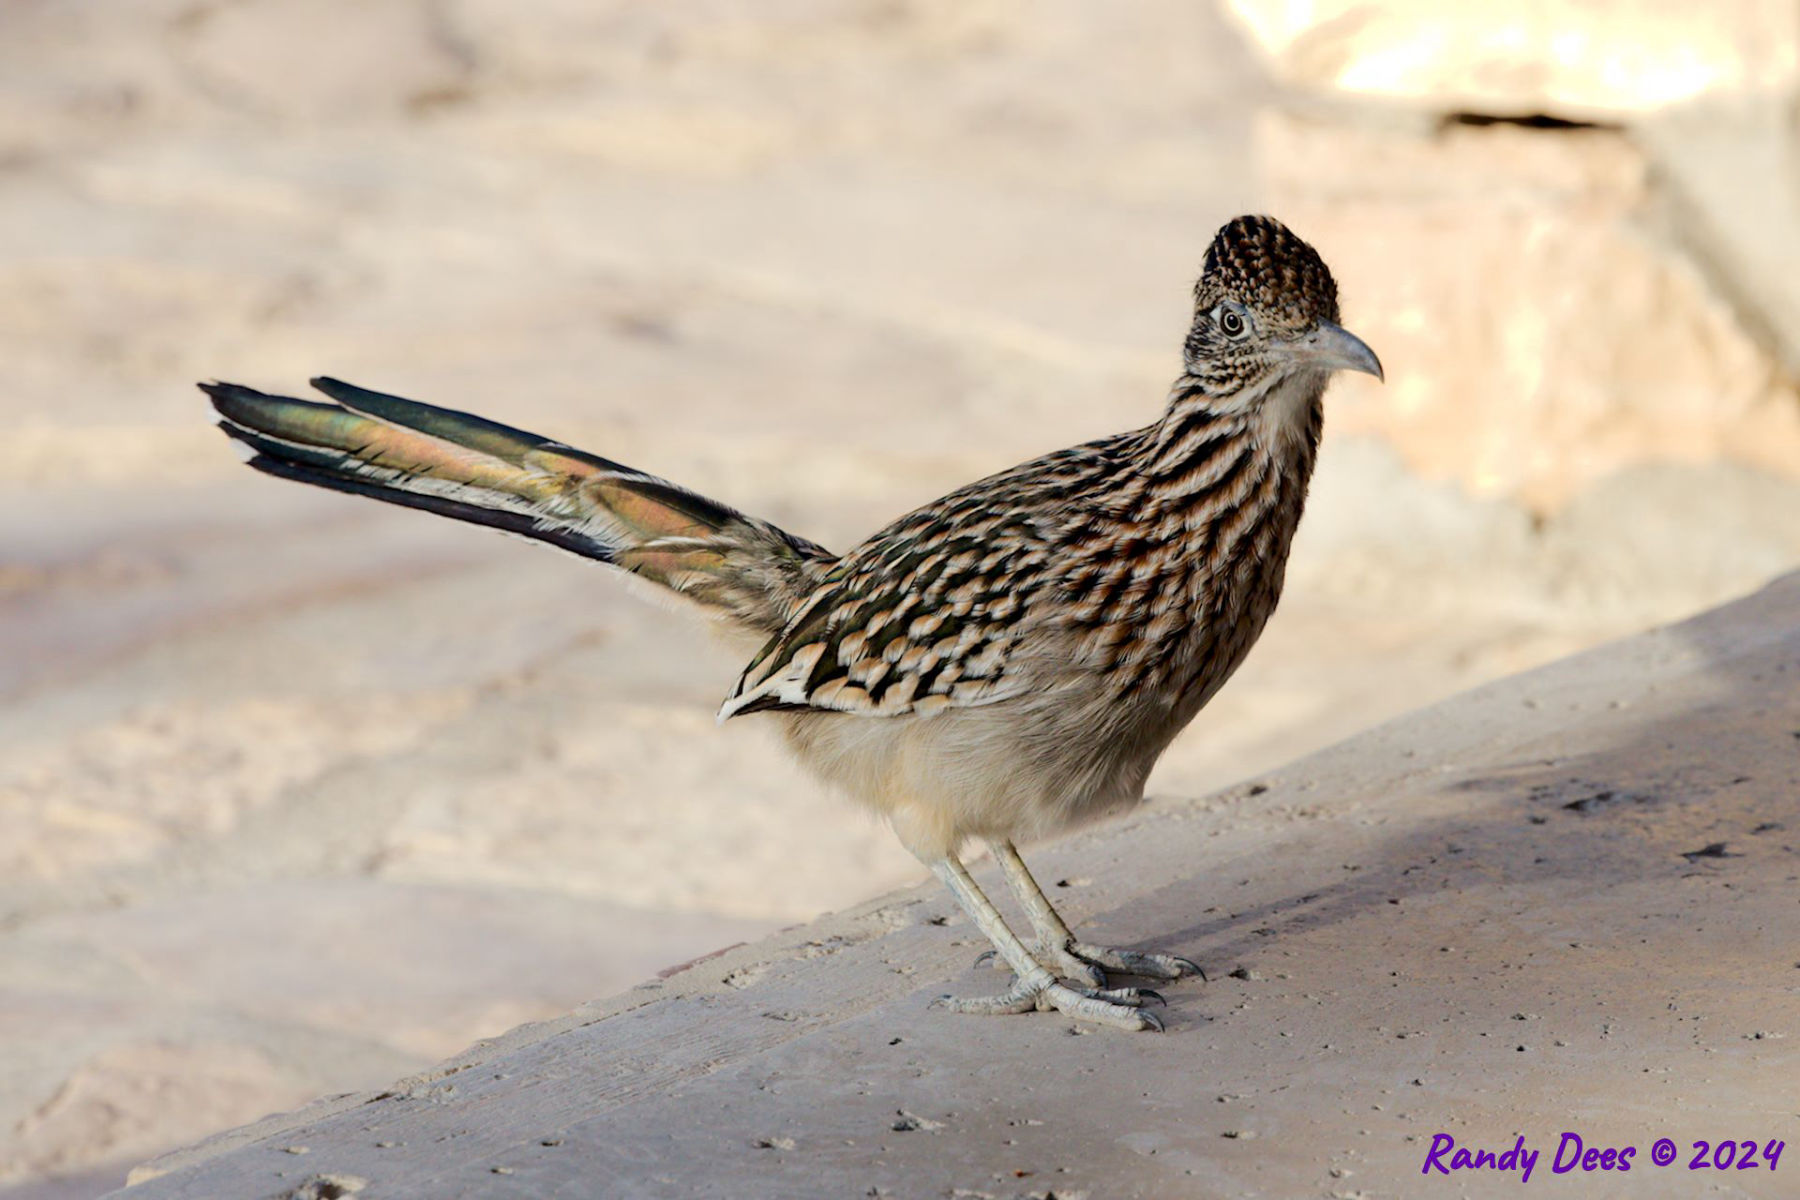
[298, 792]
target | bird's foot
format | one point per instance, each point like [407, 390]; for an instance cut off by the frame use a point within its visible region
[1084, 963]
[1142, 963]
[1122, 1008]
[1058, 961]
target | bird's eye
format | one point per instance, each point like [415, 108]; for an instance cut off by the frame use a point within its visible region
[1232, 322]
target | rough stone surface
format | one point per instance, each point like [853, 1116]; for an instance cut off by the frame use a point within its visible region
[1597, 59]
[1559, 903]
[1540, 328]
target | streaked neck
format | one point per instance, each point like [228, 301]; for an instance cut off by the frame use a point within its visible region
[1278, 417]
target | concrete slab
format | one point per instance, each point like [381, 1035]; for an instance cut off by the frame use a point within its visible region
[1563, 903]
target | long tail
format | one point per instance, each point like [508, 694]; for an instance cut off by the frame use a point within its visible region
[463, 466]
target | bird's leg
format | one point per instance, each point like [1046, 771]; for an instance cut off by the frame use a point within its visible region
[1057, 943]
[1053, 937]
[1035, 986]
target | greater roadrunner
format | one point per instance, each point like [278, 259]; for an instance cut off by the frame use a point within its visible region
[1000, 664]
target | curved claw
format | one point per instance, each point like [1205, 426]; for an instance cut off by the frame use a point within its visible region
[985, 957]
[1137, 962]
[1132, 997]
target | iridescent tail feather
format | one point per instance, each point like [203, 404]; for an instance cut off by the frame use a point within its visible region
[466, 467]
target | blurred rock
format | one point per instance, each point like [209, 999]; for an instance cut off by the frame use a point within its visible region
[117, 1104]
[1596, 60]
[279, 58]
[1749, 237]
[1539, 330]
[205, 64]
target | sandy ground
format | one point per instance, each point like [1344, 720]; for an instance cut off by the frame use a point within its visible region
[298, 793]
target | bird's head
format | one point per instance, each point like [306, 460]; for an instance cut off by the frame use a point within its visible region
[1265, 311]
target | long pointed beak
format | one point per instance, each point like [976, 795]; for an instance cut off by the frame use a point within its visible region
[1333, 348]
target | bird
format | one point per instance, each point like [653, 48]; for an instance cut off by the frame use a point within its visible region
[999, 665]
